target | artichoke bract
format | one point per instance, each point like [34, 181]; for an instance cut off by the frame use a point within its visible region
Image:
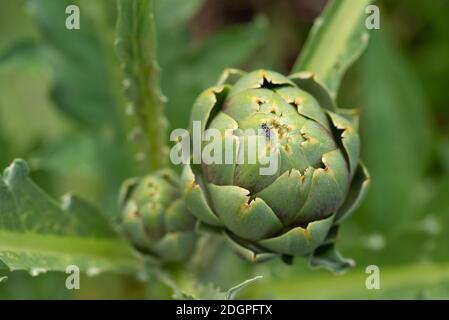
[319, 180]
[155, 219]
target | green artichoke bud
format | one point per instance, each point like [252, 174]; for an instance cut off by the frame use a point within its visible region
[155, 219]
[319, 180]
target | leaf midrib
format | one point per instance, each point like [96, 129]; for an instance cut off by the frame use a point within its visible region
[109, 249]
[347, 14]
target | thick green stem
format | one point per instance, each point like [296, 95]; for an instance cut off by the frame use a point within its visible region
[336, 40]
[136, 46]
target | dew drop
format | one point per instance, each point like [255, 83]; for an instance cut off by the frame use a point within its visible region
[127, 83]
[374, 242]
[93, 271]
[37, 271]
[431, 226]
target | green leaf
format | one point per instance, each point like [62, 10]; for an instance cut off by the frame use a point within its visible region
[396, 131]
[182, 59]
[50, 286]
[328, 256]
[433, 225]
[22, 52]
[136, 47]
[336, 40]
[84, 87]
[209, 291]
[174, 13]
[22, 285]
[231, 293]
[399, 282]
[84, 164]
[38, 235]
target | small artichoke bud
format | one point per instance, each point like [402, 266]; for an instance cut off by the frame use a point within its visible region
[319, 180]
[155, 218]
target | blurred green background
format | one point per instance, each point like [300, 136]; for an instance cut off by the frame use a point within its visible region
[63, 110]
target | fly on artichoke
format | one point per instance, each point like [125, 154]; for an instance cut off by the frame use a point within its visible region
[319, 180]
[155, 219]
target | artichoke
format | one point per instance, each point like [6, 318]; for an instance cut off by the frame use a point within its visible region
[155, 219]
[319, 181]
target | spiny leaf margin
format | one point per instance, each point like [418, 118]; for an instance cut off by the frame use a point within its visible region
[37, 234]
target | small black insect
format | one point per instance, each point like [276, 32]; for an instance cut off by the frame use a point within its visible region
[266, 130]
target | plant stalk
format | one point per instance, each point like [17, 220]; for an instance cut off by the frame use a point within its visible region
[136, 48]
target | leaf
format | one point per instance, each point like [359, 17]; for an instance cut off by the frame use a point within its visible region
[22, 52]
[21, 285]
[396, 282]
[24, 87]
[84, 87]
[136, 48]
[182, 61]
[38, 235]
[336, 40]
[209, 291]
[87, 166]
[433, 225]
[51, 286]
[327, 256]
[174, 13]
[231, 293]
[396, 131]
